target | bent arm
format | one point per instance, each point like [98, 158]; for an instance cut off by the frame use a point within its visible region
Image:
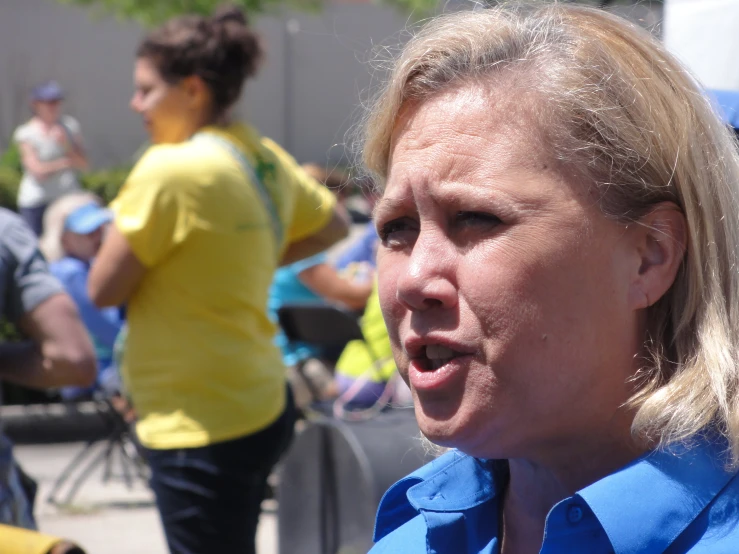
[59, 353]
[77, 154]
[116, 271]
[78, 160]
[38, 169]
[103, 323]
[336, 229]
[326, 282]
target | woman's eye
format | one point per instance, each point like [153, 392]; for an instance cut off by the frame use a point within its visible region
[397, 230]
[477, 219]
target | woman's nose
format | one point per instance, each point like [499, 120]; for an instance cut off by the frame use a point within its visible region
[135, 103]
[428, 279]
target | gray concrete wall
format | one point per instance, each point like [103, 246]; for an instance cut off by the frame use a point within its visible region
[40, 39]
[306, 97]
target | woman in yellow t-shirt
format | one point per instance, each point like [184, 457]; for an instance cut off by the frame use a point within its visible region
[200, 227]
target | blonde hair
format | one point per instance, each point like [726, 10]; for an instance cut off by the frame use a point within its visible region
[624, 115]
[335, 178]
[55, 216]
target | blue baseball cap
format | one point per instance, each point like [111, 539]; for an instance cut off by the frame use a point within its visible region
[87, 219]
[50, 91]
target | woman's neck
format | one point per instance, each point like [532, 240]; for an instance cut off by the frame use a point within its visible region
[222, 122]
[45, 125]
[536, 486]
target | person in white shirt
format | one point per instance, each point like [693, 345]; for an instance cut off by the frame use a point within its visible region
[51, 153]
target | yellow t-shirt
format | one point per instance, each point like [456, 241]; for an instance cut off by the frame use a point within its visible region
[199, 363]
[16, 540]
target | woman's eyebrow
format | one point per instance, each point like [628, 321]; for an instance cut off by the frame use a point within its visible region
[387, 205]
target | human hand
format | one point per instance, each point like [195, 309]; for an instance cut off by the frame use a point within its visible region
[62, 164]
[124, 408]
[65, 547]
[362, 273]
[61, 137]
[78, 162]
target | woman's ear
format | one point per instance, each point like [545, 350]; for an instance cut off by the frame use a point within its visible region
[660, 240]
[196, 92]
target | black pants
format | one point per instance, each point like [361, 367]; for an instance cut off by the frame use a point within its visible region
[209, 498]
[34, 217]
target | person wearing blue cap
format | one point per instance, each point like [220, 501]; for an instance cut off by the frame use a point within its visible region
[51, 153]
[73, 232]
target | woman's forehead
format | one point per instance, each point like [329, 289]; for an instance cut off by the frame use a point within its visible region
[482, 122]
[465, 132]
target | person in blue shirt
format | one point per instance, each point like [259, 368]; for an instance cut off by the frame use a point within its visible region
[558, 275]
[362, 251]
[313, 280]
[74, 227]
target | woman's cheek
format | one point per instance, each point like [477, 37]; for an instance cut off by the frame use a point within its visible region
[392, 309]
[388, 271]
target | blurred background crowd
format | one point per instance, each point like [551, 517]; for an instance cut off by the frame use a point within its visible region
[70, 142]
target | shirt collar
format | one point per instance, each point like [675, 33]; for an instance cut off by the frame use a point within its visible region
[462, 484]
[451, 483]
[645, 506]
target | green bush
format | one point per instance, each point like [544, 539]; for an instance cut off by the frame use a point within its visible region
[10, 179]
[11, 158]
[105, 182]
[10, 176]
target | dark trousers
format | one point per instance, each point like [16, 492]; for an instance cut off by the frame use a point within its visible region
[34, 218]
[209, 498]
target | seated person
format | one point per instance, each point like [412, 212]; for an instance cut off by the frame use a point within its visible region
[364, 369]
[307, 281]
[74, 227]
[56, 351]
[361, 253]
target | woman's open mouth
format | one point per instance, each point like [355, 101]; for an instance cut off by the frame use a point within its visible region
[436, 366]
[435, 356]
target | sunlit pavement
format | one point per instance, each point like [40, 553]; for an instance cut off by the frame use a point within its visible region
[108, 518]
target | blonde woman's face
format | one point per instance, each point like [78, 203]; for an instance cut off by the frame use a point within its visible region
[503, 287]
[165, 108]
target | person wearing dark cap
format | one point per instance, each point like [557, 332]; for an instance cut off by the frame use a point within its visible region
[51, 153]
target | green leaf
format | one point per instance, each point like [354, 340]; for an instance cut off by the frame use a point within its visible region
[153, 12]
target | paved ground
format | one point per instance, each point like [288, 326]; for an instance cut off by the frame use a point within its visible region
[108, 518]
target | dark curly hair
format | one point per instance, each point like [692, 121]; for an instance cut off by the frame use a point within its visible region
[222, 50]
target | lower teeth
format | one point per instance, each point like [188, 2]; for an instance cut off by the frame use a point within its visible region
[436, 364]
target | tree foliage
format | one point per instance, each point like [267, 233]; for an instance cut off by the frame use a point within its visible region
[150, 12]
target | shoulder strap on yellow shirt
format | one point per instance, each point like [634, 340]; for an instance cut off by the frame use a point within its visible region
[251, 174]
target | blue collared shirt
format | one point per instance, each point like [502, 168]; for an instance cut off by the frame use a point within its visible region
[103, 324]
[682, 500]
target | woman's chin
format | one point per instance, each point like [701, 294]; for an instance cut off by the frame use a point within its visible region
[445, 427]
[461, 430]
